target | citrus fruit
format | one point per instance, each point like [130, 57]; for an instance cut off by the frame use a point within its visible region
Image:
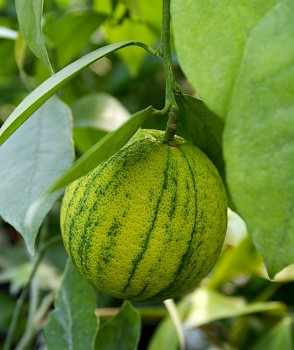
[149, 223]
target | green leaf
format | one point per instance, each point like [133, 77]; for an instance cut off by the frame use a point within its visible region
[235, 261]
[37, 97]
[120, 332]
[95, 115]
[103, 6]
[286, 275]
[104, 149]
[7, 69]
[20, 51]
[16, 276]
[31, 160]
[259, 138]
[279, 337]
[85, 138]
[205, 128]
[61, 32]
[72, 324]
[151, 13]
[29, 14]
[130, 30]
[7, 305]
[210, 37]
[208, 305]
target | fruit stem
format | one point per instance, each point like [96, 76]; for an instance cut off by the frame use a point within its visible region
[165, 49]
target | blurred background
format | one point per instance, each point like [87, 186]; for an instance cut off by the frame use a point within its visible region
[236, 306]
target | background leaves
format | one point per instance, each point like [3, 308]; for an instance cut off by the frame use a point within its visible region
[60, 31]
[204, 306]
[134, 20]
[38, 96]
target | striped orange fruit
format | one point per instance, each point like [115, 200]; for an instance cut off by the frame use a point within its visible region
[148, 223]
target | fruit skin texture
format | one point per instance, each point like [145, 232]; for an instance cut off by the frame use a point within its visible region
[149, 223]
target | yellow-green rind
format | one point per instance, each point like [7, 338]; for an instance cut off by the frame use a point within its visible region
[149, 223]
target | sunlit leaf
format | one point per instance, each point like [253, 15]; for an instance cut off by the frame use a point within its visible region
[103, 6]
[286, 275]
[208, 305]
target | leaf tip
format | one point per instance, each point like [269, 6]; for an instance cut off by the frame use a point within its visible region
[31, 248]
[30, 223]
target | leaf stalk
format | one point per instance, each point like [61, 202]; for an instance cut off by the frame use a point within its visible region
[165, 49]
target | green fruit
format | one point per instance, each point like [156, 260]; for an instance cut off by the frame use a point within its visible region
[148, 223]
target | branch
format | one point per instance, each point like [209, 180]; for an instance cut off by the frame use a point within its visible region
[173, 122]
